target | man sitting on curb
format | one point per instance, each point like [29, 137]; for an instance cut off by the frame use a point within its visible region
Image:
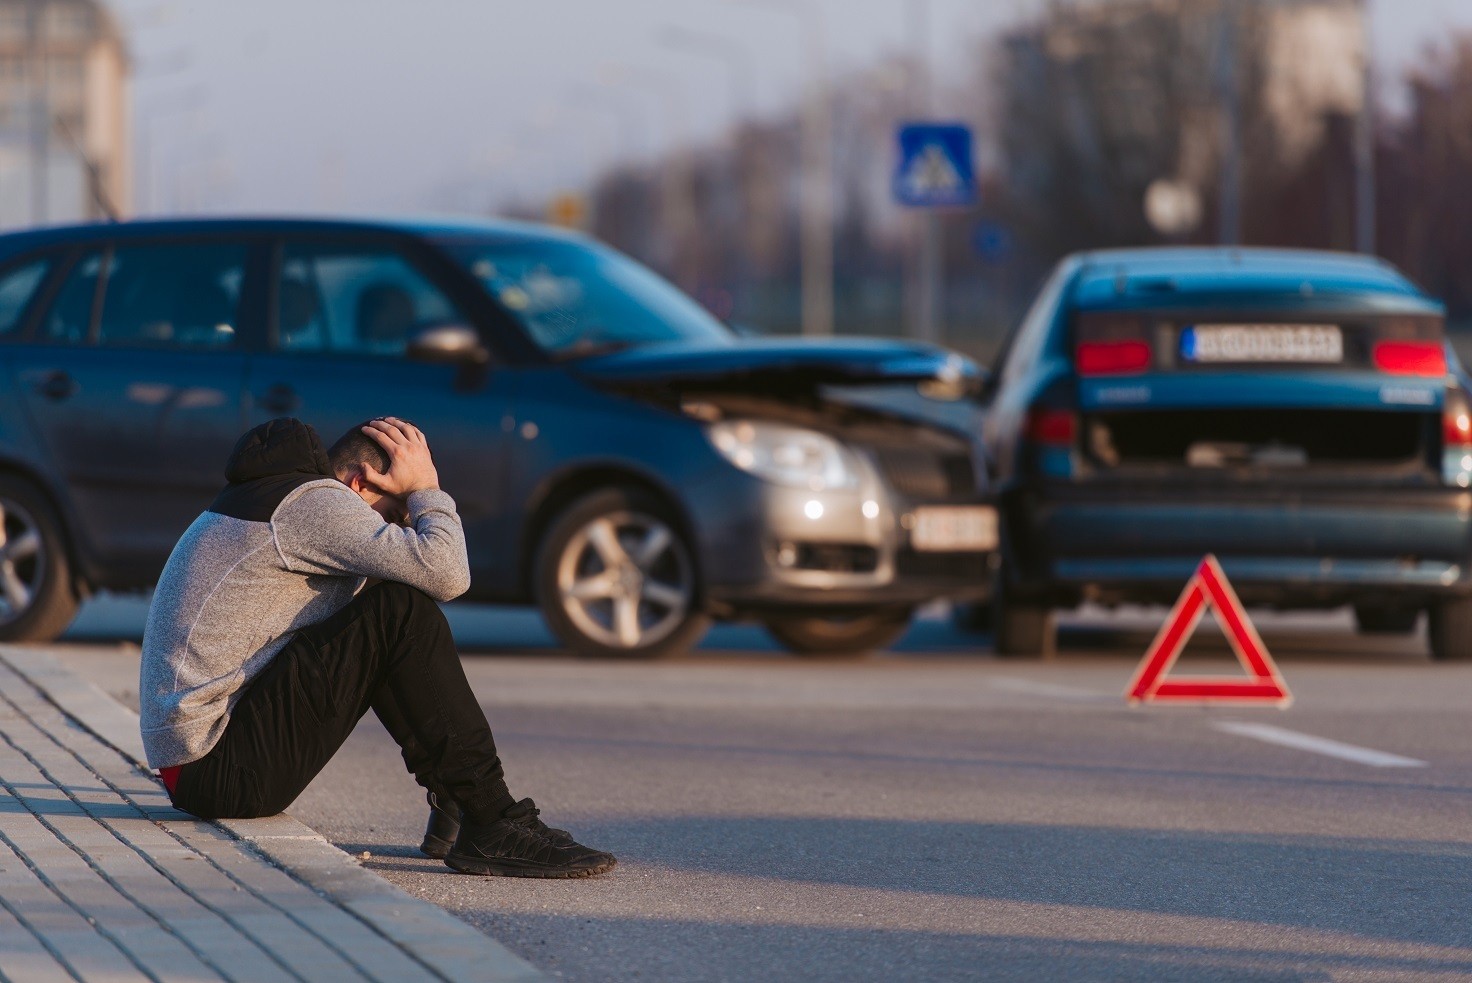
[266, 643]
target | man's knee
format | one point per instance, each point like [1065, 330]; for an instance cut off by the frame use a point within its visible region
[407, 603]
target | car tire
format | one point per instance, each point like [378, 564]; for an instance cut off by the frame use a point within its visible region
[1376, 620]
[1450, 629]
[838, 635]
[1025, 631]
[600, 597]
[37, 598]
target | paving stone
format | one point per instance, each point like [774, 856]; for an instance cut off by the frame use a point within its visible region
[106, 880]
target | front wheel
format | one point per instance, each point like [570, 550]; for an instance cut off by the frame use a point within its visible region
[839, 634]
[615, 578]
[37, 601]
[1450, 629]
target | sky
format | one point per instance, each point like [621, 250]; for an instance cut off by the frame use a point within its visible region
[394, 106]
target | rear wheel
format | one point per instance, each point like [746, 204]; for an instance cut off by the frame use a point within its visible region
[615, 578]
[1024, 630]
[37, 601]
[840, 634]
[1450, 628]
[1377, 620]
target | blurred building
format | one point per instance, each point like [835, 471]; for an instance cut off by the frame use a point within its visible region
[64, 119]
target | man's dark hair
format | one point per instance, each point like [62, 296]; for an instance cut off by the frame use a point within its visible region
[355, 449]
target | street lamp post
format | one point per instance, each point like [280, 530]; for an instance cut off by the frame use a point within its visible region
[39, 100]
[1229, 229]
[930, 274]
[185, 100]
[1364, 143]
[627, 120]
[816, 209]
[679, 182]
[741, 65]
[738, 60]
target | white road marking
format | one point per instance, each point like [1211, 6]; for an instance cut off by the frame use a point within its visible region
[1016, 685]
[1318, 745]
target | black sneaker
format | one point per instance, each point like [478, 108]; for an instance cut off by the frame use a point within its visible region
[525, 813]
[442, 828]
[509, 848]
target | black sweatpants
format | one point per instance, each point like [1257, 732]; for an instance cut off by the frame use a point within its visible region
[391, 650]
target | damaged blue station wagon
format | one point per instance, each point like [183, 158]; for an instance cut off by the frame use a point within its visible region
[618, 456]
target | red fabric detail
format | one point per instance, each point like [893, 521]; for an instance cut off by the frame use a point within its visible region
[170, 777]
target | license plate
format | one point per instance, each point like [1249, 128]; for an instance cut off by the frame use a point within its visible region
[954, 530]
[1321, 344]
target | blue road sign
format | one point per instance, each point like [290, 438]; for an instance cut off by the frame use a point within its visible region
[935, 168]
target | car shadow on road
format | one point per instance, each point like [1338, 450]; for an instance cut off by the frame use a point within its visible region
[693, 952]
[1408, 891]
[1377, 899]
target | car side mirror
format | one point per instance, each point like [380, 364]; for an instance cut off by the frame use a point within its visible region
[455, 343]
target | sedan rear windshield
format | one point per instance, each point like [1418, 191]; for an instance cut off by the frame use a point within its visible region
[576, 300]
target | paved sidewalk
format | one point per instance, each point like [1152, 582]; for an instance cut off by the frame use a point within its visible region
[102, 879]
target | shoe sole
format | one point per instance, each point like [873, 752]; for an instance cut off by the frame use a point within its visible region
[502, 868]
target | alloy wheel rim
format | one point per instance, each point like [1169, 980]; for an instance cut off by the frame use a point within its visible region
[22, 560]
[625, 581]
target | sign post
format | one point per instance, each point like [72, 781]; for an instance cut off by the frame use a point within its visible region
[934, 171]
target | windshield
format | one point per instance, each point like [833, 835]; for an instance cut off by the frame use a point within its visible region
[576, 300]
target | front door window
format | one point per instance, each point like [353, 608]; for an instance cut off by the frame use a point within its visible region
[358, 302]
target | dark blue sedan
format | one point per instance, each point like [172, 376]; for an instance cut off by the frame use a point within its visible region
[619, 457]
[1296, 413]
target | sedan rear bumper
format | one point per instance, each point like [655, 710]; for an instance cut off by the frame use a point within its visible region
[1308, 546]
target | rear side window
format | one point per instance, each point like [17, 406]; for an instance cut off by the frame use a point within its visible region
[183, 296]
[69, 320]
[175, 296]
[1027, 341]
[17, 288]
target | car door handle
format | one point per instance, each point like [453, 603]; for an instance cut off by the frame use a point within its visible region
[57, 385]
[280, 398]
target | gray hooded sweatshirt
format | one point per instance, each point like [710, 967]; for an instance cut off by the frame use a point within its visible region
[284, 546]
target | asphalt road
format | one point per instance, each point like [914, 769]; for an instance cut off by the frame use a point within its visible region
[939, 814]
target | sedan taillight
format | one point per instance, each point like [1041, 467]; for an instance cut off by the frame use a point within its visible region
[1112, 357]
[1052, 427]
[1423, 358]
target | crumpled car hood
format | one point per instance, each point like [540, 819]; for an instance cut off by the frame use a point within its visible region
[780, 364]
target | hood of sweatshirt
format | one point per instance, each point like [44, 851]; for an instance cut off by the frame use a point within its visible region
[268, 463]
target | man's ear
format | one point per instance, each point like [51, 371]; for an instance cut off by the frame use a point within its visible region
[354, 480]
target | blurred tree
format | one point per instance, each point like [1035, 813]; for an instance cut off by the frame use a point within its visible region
[1100, 100]
[1424, 172]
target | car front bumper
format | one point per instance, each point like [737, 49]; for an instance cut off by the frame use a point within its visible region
[762, 545]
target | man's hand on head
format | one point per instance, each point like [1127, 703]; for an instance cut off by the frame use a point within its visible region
[410, 467]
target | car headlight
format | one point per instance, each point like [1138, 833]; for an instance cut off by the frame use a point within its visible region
[785, 455]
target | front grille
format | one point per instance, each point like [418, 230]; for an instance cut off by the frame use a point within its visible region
[829, 557]
[926, 475]
[941, 566]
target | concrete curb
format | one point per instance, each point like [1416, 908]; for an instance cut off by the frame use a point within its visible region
[436, 938]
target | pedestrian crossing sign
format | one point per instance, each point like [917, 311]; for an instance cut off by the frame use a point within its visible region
[935, 168]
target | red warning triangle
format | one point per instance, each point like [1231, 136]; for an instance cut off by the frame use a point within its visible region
[1208, 587]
